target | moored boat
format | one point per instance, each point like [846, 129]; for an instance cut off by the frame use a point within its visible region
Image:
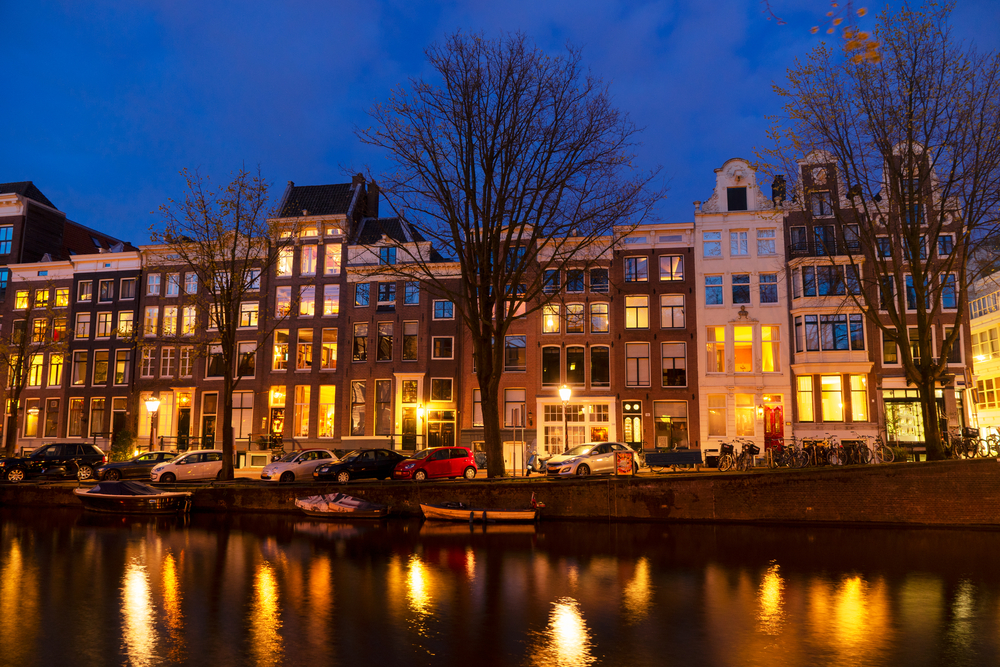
[455, 511]
[133, 498]
[341, 506]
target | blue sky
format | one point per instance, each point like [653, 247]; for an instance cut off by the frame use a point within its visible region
[105, 102]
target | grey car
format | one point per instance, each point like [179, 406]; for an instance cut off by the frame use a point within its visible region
[138, 466]
[590, 457]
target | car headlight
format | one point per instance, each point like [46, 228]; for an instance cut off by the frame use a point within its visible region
[323, 469]
[158, 468]
[2, 464]
[407, 466]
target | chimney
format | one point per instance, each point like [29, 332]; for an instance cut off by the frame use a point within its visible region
[778, 189]
[373, 199]
[359, 179]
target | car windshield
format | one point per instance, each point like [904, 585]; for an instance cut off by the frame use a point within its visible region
[290, 456]
[350, 456]
[579, 450]
[422, 454]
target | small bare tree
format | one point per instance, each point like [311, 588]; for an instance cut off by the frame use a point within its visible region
[511, 163]
[914, 137]
[227, 237]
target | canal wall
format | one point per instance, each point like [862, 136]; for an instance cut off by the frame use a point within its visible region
[940, 493]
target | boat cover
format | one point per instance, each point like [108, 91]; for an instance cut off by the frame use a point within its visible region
[337, 502]
[127, 488]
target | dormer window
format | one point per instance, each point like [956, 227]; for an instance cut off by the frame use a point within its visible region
[736, 199]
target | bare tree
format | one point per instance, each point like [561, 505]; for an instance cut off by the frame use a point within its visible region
[227, 237]
[914, 137]
[511, 163]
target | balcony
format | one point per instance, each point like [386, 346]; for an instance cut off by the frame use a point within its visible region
[828, 248]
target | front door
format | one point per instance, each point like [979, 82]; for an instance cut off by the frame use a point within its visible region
[208, 431]
[774, 426]
[183, 428]
[409, 428]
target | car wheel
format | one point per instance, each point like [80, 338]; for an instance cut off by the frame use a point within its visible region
[112, 475]
[168, 478]
[84, 472]
[470, 473]
[419, 476]
[287, 476]
[15, 475]
[343, 477]
[583, 469]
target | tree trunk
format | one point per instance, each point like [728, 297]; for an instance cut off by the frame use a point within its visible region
[227, 424]
[932, 429]
[10, 434]
[491, 431]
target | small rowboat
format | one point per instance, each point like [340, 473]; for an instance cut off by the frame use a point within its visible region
[341, 506]
[461, 512]
[133, 498]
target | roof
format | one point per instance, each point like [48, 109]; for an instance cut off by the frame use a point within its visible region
[81, 240]
[334, 199]
[372, 230]
[26, 189]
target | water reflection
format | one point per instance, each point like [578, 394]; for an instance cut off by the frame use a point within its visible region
[265, 620]
[18, 603]
[173, 616]
[139, 631]
[566, 640]
[636, 599]
[771, 614]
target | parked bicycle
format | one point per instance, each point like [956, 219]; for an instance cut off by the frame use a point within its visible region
[875, 450]
[748, 455]
[743, 461]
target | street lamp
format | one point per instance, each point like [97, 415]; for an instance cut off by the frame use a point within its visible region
[565, 393]
[152, 405]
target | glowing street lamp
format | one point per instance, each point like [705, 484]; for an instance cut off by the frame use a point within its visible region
[152, 405]
[565, 393]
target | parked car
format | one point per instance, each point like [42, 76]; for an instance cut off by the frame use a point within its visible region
[437, 462]
[59, 459]
[193, 465]
[590, 457]
[297, 465]
[137, 466]
[358, 464]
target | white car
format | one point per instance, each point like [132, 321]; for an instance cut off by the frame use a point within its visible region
[590, 457]
[297, 465]
[197, 464]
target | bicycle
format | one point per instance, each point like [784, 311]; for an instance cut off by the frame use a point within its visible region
[749, 451]
[726, 458]
[835, 454]
[874, 450]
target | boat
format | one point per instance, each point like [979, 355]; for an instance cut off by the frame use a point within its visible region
[131, 497]
[340, 506]
[455, 511]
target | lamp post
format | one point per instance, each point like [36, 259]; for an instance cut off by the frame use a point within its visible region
[565, 393]
[152, 405]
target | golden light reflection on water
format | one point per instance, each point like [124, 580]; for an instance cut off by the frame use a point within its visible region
[961, 630]
[470, 563]
[853, 619]
[637, 594]
[18, 605]
[173, 616]
[139, 631]
[566, 640]
[417, 594]
[770, 597]
[266, 646]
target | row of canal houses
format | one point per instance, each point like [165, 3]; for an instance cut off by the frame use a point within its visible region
[685, 335]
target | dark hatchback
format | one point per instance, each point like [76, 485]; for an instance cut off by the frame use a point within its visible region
[361, 463]
[138, 466]
[60, 459]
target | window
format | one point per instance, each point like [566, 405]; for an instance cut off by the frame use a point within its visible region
[441, 347]
[671, 267]
[170, 320]
[716, 350]
[55, 370]
[515, 353]
[304, 350]
[331, 300]
[770, 349]
[745, 415]
[736, 199]
[636, 364]
[246, 359]
[743, 349]
[821, 204]
[637, 312]
[444, 310]
[83, 325]
[188, 320]
[300, 421]
[833, 332]
[914, 335]
[551, 361]
[122, 358]
[280, 357]
[383, 348]
[153, 284]
[674, 364]
[717, 415]
[147, 360]
[173, 284]
[513, 408]
[831, 398]
[671, 311]
[151, 320]
[214, 368]
[283, 301]
[830, 280]
[31, 418]
[636, 270]
[331, 263]
[576, 374]
[738, 245]
[804, 397]
[550, 281]
[712, 244]
[85, 291]
[713, 290]
[167, 362]
[410, 338]
[307, 260]
[890, 352]
[765, 242]
[477, 407]
[6, 236]
[825, 239]
[36, 366]
[741, 288]
[599, 322]
[809, 280]
[883, 246]
[190, 283]
[574, 280]
[386, 294]
[411, 293]
[886, 293]
[857, 331]
[600, 366]
[441, 389]
[361, 294]
[949, 295]
[51, 418]
[859, 398]
[550, 318]
[21, 299]
[599, 280]
[945, 245]
[74, 425]
[79, 368]
[797, 243]
[285, 261]
[852, 279]
[4, 279]
[307, 301]
[187, 362]
[59, 329]
[62, 294]
[97, 417]
[249, 314]
[575, 321]
[103, 325]
[327, 411]
[358, 399]
[328, 353]
[360, 342]
[387, 256]
[769, 288]
[253, 282]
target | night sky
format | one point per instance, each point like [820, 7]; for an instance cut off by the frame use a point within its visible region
[104, 103]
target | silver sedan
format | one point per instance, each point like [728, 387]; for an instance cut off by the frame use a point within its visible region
[590, 457]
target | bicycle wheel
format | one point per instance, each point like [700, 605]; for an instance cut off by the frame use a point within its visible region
[726, 462]
[864, 454]
[885, 454]
[993, 443]
[835, 456]
[742, 462]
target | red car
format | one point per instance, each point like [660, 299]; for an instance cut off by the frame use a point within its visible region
[437, 462]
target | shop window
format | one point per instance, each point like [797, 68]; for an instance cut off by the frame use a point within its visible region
[832, 398]
[859, 398]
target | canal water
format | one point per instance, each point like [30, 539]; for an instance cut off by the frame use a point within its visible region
[80, 589]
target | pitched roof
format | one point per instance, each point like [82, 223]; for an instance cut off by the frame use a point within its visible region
[81, 240]
[372, 230]
[332, 199]
[26, 189]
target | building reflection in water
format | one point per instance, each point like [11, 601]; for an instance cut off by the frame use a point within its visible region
[961, 632]
[637, 593]
[770, 596]
[265, 619]
[139, 630]
[852, 619]
[173, 616]
[18, 604]
[566, 640]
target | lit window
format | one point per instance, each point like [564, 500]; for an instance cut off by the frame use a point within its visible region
[770, 349]
[637, 312]
[671, 267]
[307, 301]
[307, 260]
[331, 300]
[743, 349]
[636, 270]
[285, 259]
[550, 318]
[599, 322]
[441, 347]
[575, 318]
[672, 311]
[331, 263]
[249, 313]
[716, 350]
[859, 398]
[745, 417]
[831, 398]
